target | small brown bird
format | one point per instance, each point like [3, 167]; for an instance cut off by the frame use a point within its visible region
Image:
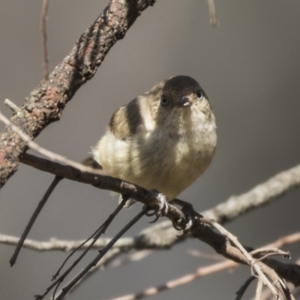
[164, 139]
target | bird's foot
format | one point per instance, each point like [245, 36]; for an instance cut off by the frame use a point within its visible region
[161, 206]
[190, 216]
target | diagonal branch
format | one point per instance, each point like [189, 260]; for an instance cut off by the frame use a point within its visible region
[47, 101]
[226, 211]
[33, 218]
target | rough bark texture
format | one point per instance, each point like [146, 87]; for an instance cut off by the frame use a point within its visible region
[46, 102]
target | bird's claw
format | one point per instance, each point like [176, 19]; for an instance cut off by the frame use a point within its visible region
[163, 205]
[162, 208]
[190, 216]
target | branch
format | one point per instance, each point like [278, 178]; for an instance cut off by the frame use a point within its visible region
[46, 102]
[33, 218]
[203, 271]
[227, 211]
[260, 195]
[138, 242]
[200, 273]
[51, 155]
[94, 262]
[291, 272]
[54, 244]
[212, 13]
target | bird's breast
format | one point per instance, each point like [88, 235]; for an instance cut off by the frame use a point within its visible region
[162, 160]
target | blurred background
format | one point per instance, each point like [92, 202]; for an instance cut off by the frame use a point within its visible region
[249, 66]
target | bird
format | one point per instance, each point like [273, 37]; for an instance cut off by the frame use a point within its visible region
[164, 139]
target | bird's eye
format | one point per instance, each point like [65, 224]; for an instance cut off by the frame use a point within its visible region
[164, 101]
[199, 94]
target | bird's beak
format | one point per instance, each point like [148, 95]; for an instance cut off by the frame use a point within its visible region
[185, 101]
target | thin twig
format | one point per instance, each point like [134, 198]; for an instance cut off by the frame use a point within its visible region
[134, 257]
[261, 194]
[11, 105]
[243, 288]
[40, 206]
[264, 253]
[53, 156]
[142, 241]
[102, 252]
[201, 272]
[54, 244]
[107, 258]
[212, 13]
[210, 256]
[259, 289]
[250, 259]
[87, 162]
[275, 285]
[95, 236]
[44, 19]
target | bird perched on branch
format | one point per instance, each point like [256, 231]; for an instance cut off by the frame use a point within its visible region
[164, 139]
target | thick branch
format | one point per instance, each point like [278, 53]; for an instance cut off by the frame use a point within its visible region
[234, 207]
[46, 102]
[135, 192]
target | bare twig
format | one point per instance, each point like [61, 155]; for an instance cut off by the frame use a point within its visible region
[51, 155]
[285, 240]
[56, 180]
[210, 256]
[264, 253]
[102, 252]
[44, 19]
[141, 242]
[259, 289]
[134, 257]
[33, 218]
[107, 258]
[277, 287]
[95, 236]
[212, 12]
[243, 288]
[65, 245]
[11, 105]
[260, 195]
[201, 272]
